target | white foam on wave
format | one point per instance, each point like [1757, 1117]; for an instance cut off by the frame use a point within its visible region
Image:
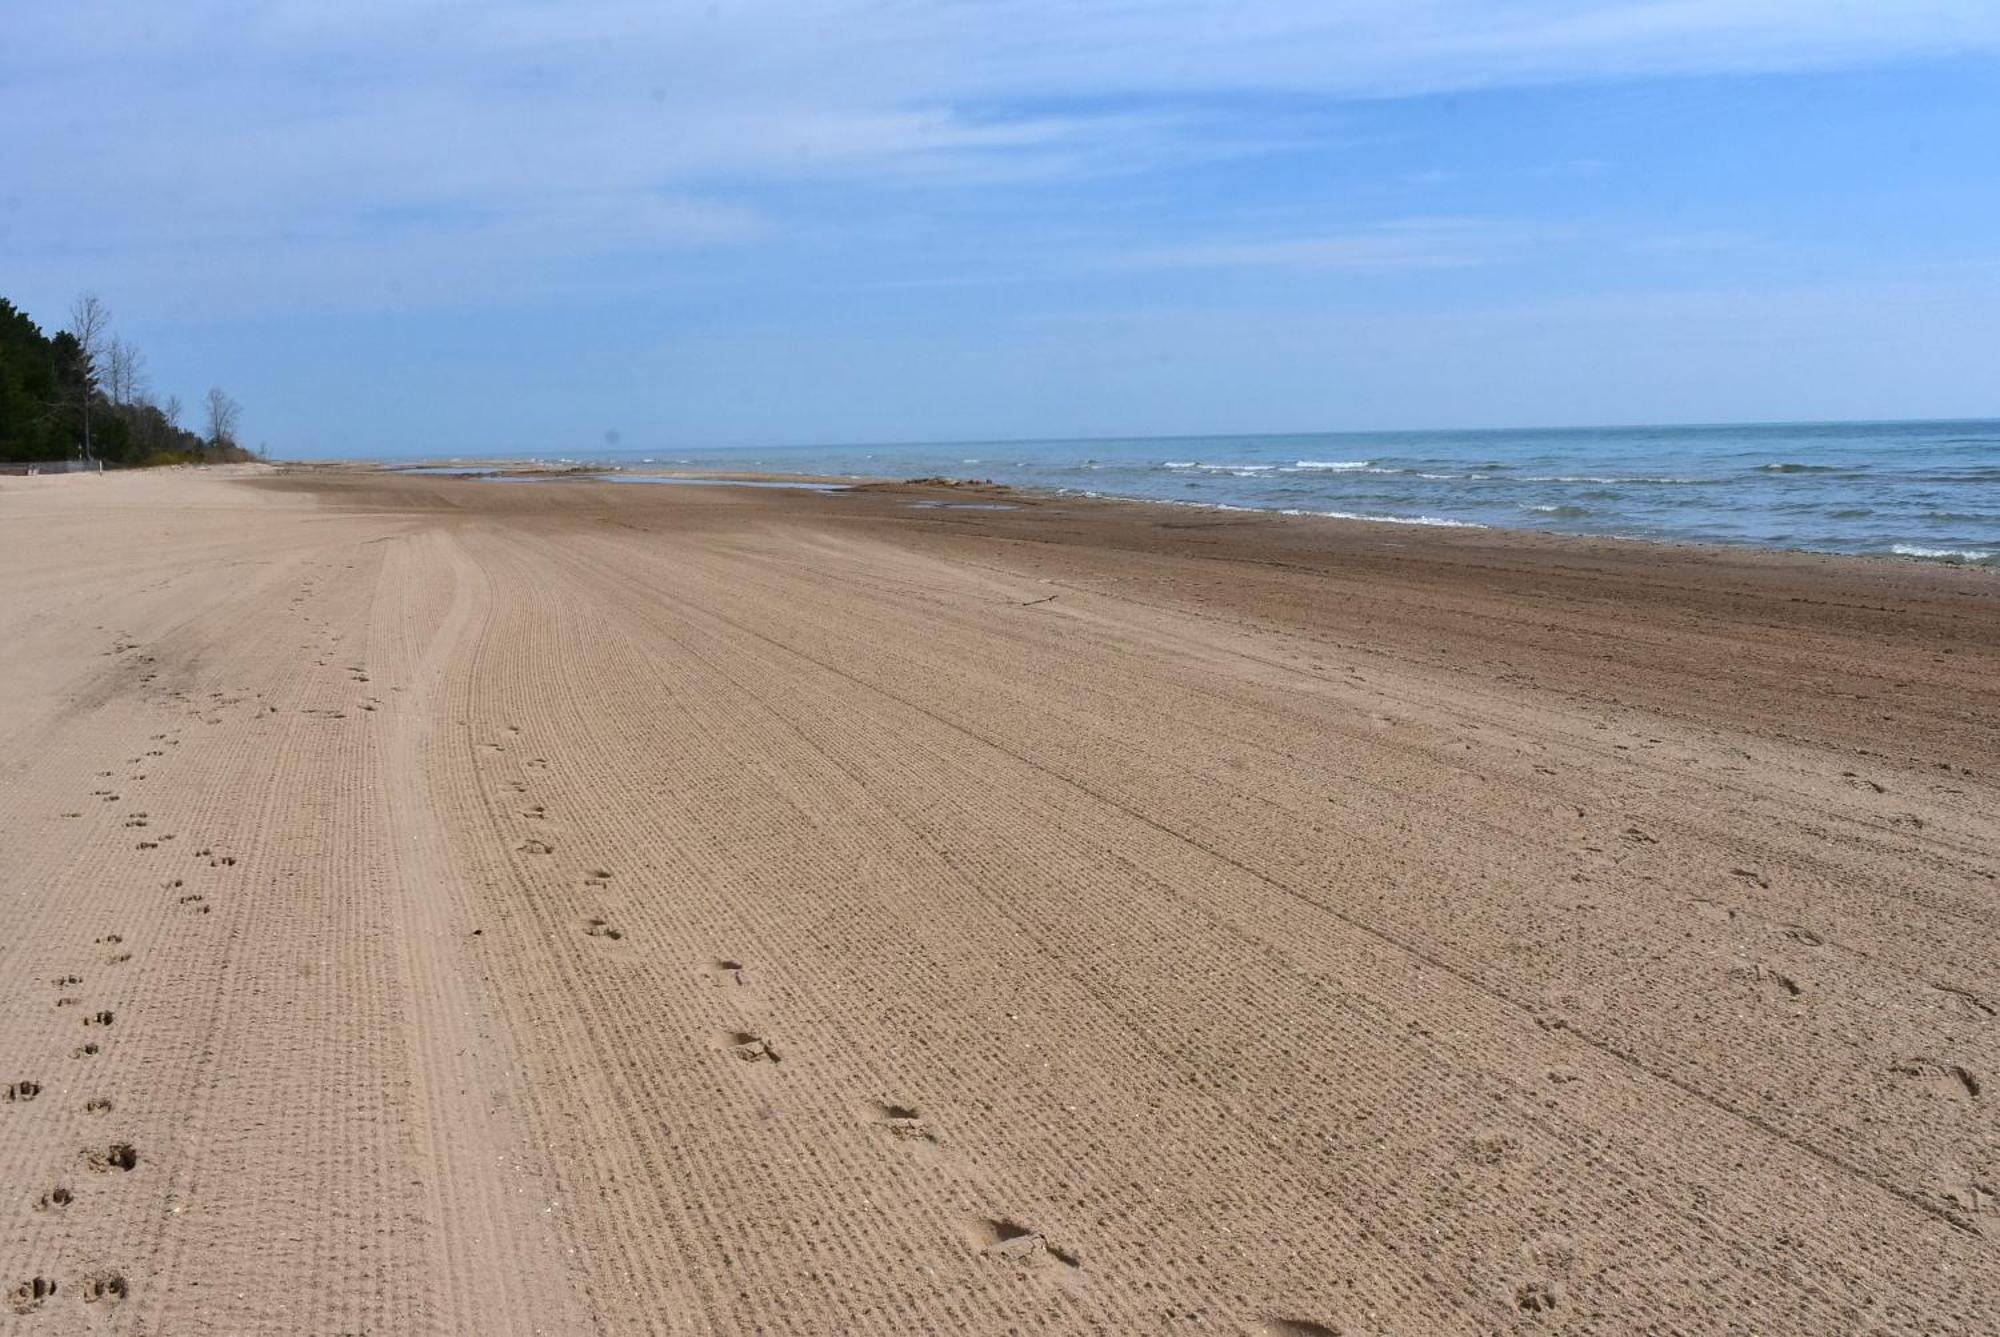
[1238, 470]
[1332, 466]
[1945, 554]
[1595, 478]
[1433, 520]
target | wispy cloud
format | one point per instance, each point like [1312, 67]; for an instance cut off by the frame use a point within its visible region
[442, 97]
[1402, 244]
[223, 157]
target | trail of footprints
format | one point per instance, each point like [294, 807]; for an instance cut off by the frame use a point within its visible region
[1737, 902]
[98, 1288]
[104, 1162]
[998, 1240]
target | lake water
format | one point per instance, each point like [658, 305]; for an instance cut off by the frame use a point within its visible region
[1919, 489]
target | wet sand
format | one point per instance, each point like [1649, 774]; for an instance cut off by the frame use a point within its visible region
[441, 907]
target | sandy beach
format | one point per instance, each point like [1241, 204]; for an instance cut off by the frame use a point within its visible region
[439, 906]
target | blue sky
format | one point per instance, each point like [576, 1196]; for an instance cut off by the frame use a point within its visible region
[399, 227]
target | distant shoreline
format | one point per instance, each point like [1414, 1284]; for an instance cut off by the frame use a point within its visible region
[1924, 490]
[580, 472]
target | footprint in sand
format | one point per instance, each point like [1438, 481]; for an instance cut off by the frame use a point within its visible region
[743, 1045]
[120, 1156]
[1974, 1199]
[1946, 1079]
[20, 1091]
[104, 1288]
[997, 1237]
[1773, 983]
[27, 1296]
[54, 1199]
[97, 1105]
[1537, 1297]
[1969, 1002]
[597, 928]
[901, 1121]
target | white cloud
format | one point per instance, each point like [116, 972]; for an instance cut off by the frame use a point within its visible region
[1403, 244]
[542, 130]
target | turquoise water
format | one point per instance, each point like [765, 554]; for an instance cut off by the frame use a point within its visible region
[1920, 489]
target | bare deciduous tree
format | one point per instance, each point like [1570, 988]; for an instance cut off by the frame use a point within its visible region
[223, 415]
[171, 411]
[90, 322]
[124, 371]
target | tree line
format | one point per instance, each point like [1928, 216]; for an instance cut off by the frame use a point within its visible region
[82, 394]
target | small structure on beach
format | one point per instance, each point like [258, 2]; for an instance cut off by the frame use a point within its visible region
[31, 467]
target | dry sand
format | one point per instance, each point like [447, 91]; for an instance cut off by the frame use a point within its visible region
[438, 906]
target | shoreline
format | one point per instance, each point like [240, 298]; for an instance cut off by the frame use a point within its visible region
[1004, 491]
[1924, 490]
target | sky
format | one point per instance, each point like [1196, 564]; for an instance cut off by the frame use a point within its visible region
[394, 227]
